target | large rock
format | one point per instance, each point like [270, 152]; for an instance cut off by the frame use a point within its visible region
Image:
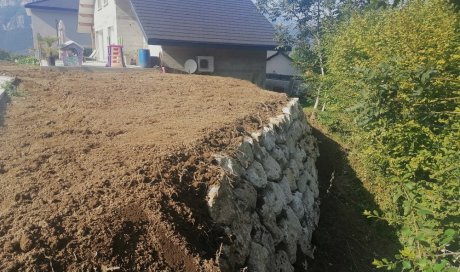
[278, 154]
[230, 165]
[259, 259]
[258, 151]
[244, 152]
[221, 203]
[273, 199]
[272, 168]
[285, 187]
[268, 138]
[308, 198]
[280, 122]
[282, 263]
[291, 228]
[269, 221]
[304, 182]
[314, 187]
[305, 241]
[291, 144]
[293, 109]
[261, 235]
[310, 146]
[297, 205]
[296, 131]
[310, 166]
[300, 156]
[246, 196]
[256, 175]
[288, 176]
[236, 253]
[295, 168]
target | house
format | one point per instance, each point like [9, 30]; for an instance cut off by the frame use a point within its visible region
[281, 73]
[280, 66]
[46, 14]
[229, 38]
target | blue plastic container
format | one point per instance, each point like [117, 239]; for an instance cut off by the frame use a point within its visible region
[144, 58]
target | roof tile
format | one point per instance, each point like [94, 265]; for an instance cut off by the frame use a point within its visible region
[220, 22]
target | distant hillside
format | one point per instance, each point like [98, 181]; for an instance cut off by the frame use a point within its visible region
[15, 26]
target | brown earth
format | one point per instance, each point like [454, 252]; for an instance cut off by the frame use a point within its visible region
[108, 171]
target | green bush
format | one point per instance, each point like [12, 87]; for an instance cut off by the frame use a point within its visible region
[4, 55]
[396, 74]
[27, 60]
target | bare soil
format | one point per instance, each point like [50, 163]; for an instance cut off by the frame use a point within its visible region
[108, 171]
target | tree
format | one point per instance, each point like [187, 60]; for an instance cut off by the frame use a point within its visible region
[302, 24]
[396, 73]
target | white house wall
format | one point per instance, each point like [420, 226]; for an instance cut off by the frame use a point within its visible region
[118, 16]
[129, 30]
[105, 17]
[280, 65]
[44, 23]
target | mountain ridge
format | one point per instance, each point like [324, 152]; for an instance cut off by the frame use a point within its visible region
[15, 27]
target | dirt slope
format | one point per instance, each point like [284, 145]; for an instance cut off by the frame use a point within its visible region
[102, 170]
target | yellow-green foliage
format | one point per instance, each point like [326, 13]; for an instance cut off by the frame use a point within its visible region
[396, 73]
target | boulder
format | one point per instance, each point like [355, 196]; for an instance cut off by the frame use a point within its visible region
[221, 203]
[261, 235]
[239, 249]
[269, 221]
[302, 182]
[278, 154]
[268, 139]
[230, 165]
[285, 187]
[259, 258]
[256, 175]
[282, 263]
[244, 152]
[273, 199]
[291, 228]
[296, 131]
[246, 196]
[297, 205]
[300, 156]
[258, 151]
[293, 109]
[288, 176]
[305, 242]
[272, 168]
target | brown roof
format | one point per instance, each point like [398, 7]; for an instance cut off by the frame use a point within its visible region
[204, 22]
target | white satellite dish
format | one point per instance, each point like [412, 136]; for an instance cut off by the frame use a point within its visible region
[190, 66]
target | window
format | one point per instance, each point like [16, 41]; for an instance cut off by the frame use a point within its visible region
[99, 4]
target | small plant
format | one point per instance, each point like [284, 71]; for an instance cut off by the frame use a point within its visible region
[48, 48]
[26, 60]
[11, 88]
[4, 55]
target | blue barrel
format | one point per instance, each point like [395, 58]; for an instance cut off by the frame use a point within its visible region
[144, 58]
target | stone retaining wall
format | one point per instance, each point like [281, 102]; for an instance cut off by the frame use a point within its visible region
[267, 200]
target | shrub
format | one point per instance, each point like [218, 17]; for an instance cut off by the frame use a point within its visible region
[396, 73]
[4, 55]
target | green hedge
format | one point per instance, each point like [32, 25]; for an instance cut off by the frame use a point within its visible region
[393, 90]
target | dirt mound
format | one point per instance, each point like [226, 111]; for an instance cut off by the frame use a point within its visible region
[104, 171]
